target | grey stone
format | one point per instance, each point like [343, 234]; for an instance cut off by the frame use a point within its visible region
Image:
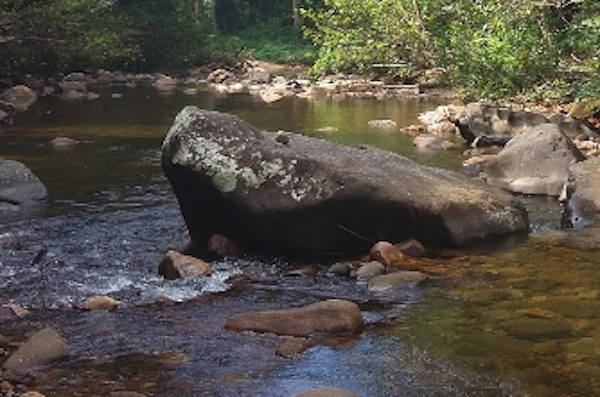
[18, 185]
[535, 162]
[370, 270]
[581, 198]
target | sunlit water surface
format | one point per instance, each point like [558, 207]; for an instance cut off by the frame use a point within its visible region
[519, 320]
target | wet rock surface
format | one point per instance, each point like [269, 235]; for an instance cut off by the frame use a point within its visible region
[314, 197]
[175, 265]
[581, 197]
[535, 162]
[18, 185]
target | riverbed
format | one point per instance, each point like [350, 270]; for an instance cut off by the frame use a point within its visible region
[518, 319]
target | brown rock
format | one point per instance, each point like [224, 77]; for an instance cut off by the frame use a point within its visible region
[6, 386]
[101, 302]
[388, 255]
[175, 265]
[33, 394]
[327, 392]
[293, 346]
[45, 346]
[4, 341]
[222, 246]
[331, 316]
[125, 394]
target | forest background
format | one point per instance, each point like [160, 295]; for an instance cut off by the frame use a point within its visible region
[488, 48]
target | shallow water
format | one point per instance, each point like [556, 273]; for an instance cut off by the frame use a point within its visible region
[516, 321]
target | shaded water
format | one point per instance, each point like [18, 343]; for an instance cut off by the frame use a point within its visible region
[521, 321]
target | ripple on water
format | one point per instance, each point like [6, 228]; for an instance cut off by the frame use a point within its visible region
[62, 260]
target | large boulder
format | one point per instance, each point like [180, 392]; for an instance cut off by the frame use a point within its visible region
[535, 162]
[581, 198]
[291, 194]
[18, 185]
[333, 316]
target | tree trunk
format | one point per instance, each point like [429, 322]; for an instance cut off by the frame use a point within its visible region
[297, 17]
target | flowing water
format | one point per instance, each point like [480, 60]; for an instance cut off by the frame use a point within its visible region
[518, 320]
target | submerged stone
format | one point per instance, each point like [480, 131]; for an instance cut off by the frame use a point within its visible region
[42, 348]
[327, 392]
[537, 328]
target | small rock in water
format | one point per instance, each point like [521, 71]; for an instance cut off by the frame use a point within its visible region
[327, 129]
[387, 254]
[293, 347]
[327, 392]
[270, 96]
[33, 394]
[190, 91]
[395, 280]
[45, 346]
[307, 271]
[165, 83]
[175, 265]
[19, 311]
[370, 270]
[339, 269]
[382, 123]
[282, 137]
[63, 141]
[101, 302]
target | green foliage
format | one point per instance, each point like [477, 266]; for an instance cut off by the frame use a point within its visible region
[492, 48]
[275, 41]
[358, 33]
[57, 35]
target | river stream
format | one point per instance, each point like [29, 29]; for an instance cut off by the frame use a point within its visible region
[522, 319]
